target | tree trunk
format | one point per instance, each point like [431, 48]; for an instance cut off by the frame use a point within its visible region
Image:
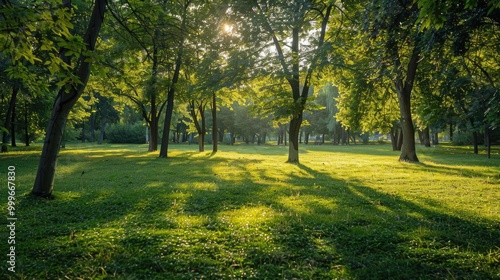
[170, 110]
[284, 136]
[8, 116]
[475, 140]
[171, 92]
[451, 131]
[400, 140]
[26, 125]
[394, 140]
[153, 132]
[83, 132]
[92, 127]
[214, 124]
[203, 127]
[44, 181]
[404, 89]
[199, 125]
[13, 127]
[427, 140]
[153, 94]
[293, 148]
[487, 136]
[420, 136]
[104, 120]
[435, 138]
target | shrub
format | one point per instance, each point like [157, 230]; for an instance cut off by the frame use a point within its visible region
[126, 133]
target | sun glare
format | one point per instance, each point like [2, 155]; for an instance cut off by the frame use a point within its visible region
[228, 28]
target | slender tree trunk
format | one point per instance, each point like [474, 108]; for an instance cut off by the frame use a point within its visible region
[394, 140]
[13, 127]
[153, 132]
[214, 124]
[451, 131]
[400, 140]
[92, 127]
[171, 92]
[104, 121]
[284, 136]
[170, 109]
[476, 142]
[487, 136]
[26, 124]
[199, 124]
[8, 116]
[64, 101]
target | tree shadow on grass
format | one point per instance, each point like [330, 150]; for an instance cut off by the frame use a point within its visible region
[383, 236]
[246, 224]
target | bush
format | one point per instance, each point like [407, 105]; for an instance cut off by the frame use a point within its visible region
[70, 134]
[126, 133]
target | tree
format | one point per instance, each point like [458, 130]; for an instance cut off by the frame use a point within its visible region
[66, 98]
[467, 62]
[30, 44]
[148, 28]
[391, 27]
[287, 25]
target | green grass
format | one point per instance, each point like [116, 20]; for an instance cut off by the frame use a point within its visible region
[346, 212]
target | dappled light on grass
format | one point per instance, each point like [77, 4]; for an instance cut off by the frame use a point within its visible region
[244, 213]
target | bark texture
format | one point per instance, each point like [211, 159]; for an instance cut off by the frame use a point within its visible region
[64, 101]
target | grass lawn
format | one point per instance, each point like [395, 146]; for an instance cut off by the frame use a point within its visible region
[346, 212]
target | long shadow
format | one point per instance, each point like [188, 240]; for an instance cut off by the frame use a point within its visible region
[200, 224]
[387, 236]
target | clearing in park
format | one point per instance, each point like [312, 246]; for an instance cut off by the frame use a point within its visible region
[349, 212]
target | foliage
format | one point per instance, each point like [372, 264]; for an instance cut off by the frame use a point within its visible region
[345, 212]
[126, 133]
[32, 36]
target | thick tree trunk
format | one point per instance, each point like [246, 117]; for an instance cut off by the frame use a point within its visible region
[44, 181]
[214, 124]
[153, 132]
[435, 138]
[408, 149]
[427, 137]
[293, 148]
[8, 117]
[403, 89]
